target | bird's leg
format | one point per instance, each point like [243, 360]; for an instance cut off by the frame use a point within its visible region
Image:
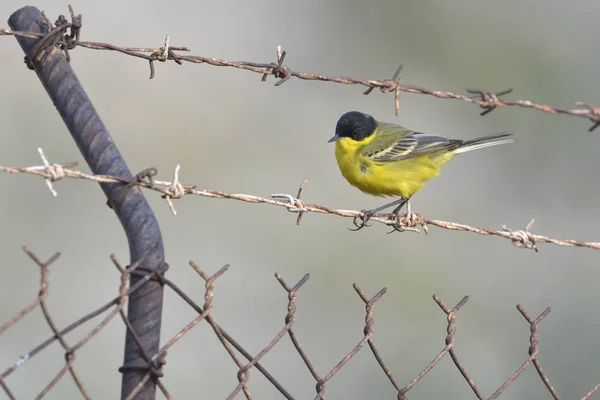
[367, 214]
[408, 222]
[396, 213]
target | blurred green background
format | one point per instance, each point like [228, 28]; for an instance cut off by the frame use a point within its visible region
[231, 132]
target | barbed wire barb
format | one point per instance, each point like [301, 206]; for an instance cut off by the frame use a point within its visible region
[175, 191]
[55, 171]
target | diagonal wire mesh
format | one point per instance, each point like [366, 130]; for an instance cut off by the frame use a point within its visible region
[243, 359]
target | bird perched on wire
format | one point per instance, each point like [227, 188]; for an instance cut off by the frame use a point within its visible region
[384, 159]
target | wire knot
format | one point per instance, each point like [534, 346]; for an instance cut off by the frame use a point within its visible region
[165, 53]
[56, 36]
[296, 205]
[282, 72]
[278, 70]
[489, 101]
[389, 85]
[523, 238]
[56, 172]
[175, 191]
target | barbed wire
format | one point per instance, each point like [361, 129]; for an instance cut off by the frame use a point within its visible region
[174, 189]
[155, 362]
[488, 101]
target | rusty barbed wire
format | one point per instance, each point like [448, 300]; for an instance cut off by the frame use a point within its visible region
[155, 362]
[172, 190]
[487, 100]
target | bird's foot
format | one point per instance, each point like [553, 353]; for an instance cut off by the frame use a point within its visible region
[407, 222]
[360, 221]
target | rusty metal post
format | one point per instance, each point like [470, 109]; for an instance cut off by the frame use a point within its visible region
[132, 209]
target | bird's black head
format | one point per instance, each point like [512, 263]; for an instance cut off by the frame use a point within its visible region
[354, 125]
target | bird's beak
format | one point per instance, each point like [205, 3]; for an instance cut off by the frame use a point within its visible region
[334, 138]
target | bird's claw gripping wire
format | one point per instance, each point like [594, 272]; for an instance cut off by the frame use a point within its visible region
[368, 214]
[398, 224]
[364, 218]
[407, 222]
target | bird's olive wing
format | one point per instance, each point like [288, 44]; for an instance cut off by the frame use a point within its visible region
[391, 142]
[407, 144]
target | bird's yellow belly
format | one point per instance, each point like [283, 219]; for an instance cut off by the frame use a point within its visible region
[397, 178]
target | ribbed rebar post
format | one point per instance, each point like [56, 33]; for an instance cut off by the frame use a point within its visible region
[128, 202]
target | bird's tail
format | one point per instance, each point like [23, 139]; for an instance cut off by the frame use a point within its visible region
[486, 141]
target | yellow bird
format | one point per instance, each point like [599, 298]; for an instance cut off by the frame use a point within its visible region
[384, 159]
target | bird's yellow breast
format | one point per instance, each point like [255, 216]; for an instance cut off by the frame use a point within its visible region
[391, 178]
